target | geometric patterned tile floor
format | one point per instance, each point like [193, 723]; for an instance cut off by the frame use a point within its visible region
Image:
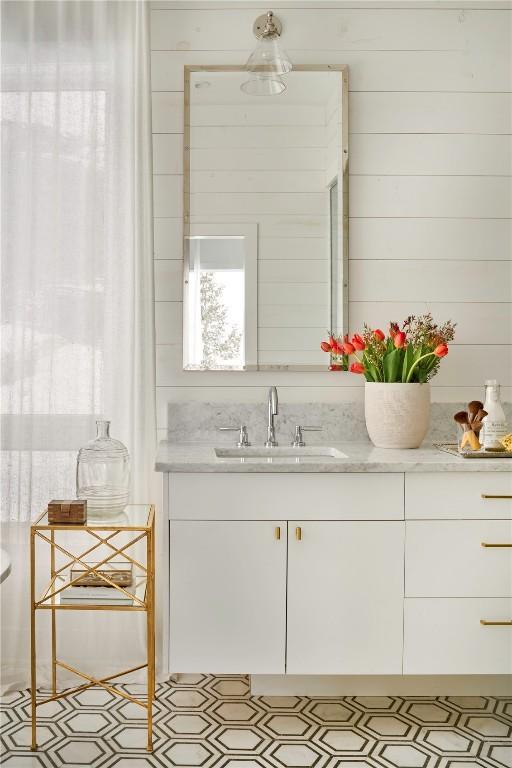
[213, 722]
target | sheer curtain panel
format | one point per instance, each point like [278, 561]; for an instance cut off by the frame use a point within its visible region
[77, 284]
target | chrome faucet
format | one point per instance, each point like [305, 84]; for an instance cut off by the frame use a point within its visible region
[273, 402]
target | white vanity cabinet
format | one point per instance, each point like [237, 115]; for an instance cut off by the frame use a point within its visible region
[341, 573]
[345, 597]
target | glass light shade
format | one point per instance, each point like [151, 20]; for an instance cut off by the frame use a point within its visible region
[269, 57]
[262, 85]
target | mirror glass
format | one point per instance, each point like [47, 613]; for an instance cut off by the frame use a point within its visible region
[265, 217]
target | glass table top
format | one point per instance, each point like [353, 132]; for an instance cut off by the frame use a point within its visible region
[133, 516]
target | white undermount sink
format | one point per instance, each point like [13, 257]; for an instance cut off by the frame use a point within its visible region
[280, 452]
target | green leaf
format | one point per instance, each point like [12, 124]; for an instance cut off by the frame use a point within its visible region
[408, 361]
[371, 372]
[392, 365]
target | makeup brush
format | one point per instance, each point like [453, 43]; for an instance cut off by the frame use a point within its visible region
[477, 422]
[480, 415]
[461, 417]
[473, 408]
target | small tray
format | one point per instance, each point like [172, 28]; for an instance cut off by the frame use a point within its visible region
[453, 449]
[117, 571]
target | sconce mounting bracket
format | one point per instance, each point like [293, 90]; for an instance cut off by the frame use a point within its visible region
[267, 25]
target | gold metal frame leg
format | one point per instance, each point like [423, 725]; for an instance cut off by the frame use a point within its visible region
[150, 636]
[33, 674]
[153, 607]
[54, 618]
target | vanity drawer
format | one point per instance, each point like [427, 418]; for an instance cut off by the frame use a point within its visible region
[446, 637]
[445, 558]
[459, 495]
[304, 496]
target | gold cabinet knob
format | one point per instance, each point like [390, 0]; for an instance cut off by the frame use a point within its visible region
[298, 533]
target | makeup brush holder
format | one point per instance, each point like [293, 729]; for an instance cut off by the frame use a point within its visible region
[467, 439]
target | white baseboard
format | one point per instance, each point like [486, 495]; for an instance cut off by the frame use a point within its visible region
[382, 685]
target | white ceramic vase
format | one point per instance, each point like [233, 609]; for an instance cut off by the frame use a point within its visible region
[397, 415]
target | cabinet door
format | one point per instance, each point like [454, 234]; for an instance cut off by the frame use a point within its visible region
[228, 596]
[345, 598]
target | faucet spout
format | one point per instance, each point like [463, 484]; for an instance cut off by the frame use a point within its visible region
[273, 410]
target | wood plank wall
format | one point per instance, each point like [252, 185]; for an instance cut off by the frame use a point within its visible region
[430, 180]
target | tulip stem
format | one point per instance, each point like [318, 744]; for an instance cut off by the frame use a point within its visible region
[413, 366]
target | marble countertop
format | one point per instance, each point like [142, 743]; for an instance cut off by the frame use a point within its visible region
[360, 457]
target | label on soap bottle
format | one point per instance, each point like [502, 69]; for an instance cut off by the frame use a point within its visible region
[494, 430]
[495, 423]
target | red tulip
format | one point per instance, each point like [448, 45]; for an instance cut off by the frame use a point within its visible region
[441, 350]
[337, 349]
[357, 368]
[399, 339]
[325, 346]
[379, 334]
[358, 342]
[332, 341]
[393, 329]
[348, 348]
[335, 367]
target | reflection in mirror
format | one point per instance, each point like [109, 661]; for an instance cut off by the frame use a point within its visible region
[220, 298]
[276, 164]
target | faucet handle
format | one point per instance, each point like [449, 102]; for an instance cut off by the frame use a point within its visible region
[243, 437]
[298, 440]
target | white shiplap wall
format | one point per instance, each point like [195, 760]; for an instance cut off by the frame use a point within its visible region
[430, 180]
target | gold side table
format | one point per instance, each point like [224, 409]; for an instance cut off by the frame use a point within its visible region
[136, 524]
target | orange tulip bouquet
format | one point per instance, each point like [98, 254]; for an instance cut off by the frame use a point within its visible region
[408, 355]
[397, 368]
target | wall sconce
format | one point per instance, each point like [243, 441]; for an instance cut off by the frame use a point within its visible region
[268, 61]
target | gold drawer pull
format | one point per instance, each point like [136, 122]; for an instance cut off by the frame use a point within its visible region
[488, 544]
[496, 496]
[298, 533]
[486, 623]
[277, 533]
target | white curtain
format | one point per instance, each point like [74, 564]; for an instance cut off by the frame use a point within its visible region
[77, 286]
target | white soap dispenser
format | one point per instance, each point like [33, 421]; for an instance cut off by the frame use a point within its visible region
[495, 423]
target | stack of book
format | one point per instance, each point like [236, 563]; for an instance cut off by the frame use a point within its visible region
[94, 595]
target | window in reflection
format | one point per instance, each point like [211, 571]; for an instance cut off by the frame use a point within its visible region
[216, 303]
